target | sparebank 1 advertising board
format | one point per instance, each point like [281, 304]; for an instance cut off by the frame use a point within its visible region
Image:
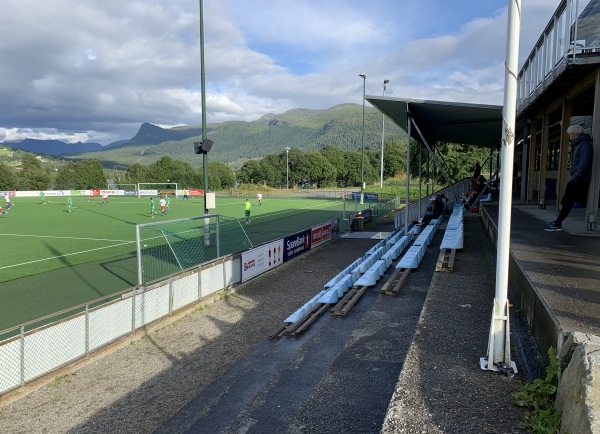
[296, 244]
[320, 234]
[262, 258]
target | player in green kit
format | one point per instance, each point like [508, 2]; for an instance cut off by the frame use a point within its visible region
[247, 207]
[152, 212]
[70, 204]
[43, 197]
[168, 202]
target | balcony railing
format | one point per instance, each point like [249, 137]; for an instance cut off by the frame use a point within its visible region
[572, 32]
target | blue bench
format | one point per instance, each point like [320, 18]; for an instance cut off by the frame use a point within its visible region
[373, 274]
[305, 309]
[333, 294]
[412, 257]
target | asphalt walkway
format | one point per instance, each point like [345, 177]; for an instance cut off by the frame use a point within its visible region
[394, 364]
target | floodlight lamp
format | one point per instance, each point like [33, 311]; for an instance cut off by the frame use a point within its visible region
[386, 81]
[363, 75]
[203, 147]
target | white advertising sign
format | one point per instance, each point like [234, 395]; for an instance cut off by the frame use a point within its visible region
[262, 258]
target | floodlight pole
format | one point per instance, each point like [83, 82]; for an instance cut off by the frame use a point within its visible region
[382, 137]
[287, 168]
[203, 93]
[362, 160]
[498, 352]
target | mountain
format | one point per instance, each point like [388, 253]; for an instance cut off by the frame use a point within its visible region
[53, 147]
[237, 141]
[149, 134]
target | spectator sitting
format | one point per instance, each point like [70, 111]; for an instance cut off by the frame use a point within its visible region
[480, 184]
[434, 211]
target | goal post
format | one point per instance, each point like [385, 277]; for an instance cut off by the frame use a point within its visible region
[158, 188]
[167, 247]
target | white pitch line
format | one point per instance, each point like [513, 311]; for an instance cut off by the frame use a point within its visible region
[63, 256]
[69, 238]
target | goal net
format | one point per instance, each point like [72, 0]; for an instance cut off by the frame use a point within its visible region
[167, 247]
[158, 189]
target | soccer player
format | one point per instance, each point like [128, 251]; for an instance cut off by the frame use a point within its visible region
[186, 191]
[259, 197]
[7, 200]
[43, 197]
[163, 204]
[247, 207]
[152, 212]
[105, 198]
[70, 204]
[91, 199]
[168, 202]
[2, 212]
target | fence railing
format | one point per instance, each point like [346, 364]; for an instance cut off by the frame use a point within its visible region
[572, 32]
[37, 348]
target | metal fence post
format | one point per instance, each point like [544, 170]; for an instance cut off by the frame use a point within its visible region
[22, 350]
[87, 329]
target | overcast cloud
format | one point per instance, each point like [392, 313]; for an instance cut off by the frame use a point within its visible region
[89, 70]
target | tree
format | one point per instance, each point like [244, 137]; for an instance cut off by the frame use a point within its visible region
[161, 170]
[136, 173]
[8, 177]
[353, 162]
[220, 176]
[249, 172]
[336, 157]
[33, 176]
[275, 173]
[317, 169]
[82, 175]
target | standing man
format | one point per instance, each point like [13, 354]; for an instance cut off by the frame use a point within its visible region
[163, 203]
[43, 197]
[167, 202]
[152, 212]
[186, 191]
[91, 199]
[581, 175]
[105, 198]
[69, 204]
[247, 207]
[259, 197]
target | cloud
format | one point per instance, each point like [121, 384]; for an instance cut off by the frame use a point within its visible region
[81, 68]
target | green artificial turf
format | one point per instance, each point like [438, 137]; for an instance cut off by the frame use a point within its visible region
[53, 260]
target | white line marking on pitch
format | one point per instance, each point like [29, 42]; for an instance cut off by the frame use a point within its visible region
[70, 238]
[63, 256]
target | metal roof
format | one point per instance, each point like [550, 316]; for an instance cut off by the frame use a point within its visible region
[440, 121]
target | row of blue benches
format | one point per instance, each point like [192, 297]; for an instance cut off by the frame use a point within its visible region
[368, 269]
[454, 235]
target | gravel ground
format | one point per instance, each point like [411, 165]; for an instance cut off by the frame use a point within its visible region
[386, 367]
[137, 385]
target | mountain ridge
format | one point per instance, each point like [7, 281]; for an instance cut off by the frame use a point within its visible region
[237, 141]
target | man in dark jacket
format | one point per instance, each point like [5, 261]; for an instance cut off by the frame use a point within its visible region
[434, 210]
[581, 175]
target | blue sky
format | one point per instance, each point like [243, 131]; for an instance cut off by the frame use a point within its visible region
[85, 70]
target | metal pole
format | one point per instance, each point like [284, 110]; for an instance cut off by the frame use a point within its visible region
[362, 160]
[203, 92]
[498, 357]
[382, 138]
[409, 123]
[287, 165]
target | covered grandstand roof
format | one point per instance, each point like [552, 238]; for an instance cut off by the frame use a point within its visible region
[440, 121]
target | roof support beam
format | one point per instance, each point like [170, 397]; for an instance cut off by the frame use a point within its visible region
[592, 202]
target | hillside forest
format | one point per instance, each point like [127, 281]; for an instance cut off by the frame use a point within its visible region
[328, 167]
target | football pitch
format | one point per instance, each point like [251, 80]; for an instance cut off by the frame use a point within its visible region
[53, 259]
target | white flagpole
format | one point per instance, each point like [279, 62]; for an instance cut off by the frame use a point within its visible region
[498, 357]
